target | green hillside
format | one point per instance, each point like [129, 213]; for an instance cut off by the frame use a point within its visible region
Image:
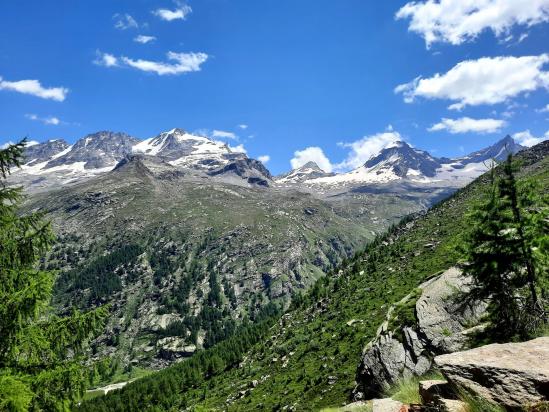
[307, 360]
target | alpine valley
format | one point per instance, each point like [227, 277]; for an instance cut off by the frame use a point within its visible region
[186, 238]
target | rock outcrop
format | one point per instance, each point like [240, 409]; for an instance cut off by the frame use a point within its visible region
[512, 374]
[442, 318]
[173, 348]
[442, 324]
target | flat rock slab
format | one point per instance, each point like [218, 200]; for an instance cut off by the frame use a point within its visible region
[354, 407]
[512, 374]
[387, 405]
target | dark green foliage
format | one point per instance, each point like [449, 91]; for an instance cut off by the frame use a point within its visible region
[500, 254]
[161, 390]
[214, 296]
[102, 275]
[40, 363]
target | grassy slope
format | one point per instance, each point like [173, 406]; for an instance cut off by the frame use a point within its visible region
[310, 358]
[314, 345]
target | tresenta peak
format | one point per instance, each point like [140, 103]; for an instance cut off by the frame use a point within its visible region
[54, 163]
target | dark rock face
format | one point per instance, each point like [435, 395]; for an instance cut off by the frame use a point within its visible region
[43, 152]
[498, 151]
[98, 150]
[250, 169]
[402, 157]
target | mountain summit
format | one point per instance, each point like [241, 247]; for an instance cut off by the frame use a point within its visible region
[402, 160]
[309, 170]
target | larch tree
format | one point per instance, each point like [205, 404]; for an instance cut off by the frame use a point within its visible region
[506, 252]
[41, 367]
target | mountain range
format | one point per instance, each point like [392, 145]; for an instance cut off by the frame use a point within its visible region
[185, 237]
[55, 162]
[401, 162]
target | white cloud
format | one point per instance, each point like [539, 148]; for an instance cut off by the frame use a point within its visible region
[543, 109]
[224, 135]
[6, 145]
[179, 13]
[182, 63]
[488, 80]
[33, 87]
[124, 22]
[466, 125]
[526, 138]
[311, 154]
[105, 59]
[243, 126]
[458, 21]
[49, 120]
[264, 159]
[144, 39]
[238, 149]
[362, 150]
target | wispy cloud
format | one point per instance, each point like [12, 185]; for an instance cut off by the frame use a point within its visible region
[48, 120]
[34, 88]
[105, 59]
[179, 13]
[143, 39]
[264, 159]
[243, 126]
[182, 63]
[488, 80]
[177, 63]
[467, 125]
[543, 109]
[224, 135]
[124, 22]
[456, 22]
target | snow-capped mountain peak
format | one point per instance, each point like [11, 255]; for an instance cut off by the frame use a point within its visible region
[181, 148]
[400, 159]
[309, 170]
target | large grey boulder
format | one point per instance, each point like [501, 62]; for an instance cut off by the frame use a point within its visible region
[443, 317]
[443, 322]
[387, 360]
[512, 374]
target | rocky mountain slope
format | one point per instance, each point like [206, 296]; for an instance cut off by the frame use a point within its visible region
[184, 257]
[310, 357]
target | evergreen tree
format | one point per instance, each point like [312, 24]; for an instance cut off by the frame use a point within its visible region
[40, 368]
[504, 252]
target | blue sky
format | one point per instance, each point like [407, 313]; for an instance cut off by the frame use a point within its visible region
[299, 74]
